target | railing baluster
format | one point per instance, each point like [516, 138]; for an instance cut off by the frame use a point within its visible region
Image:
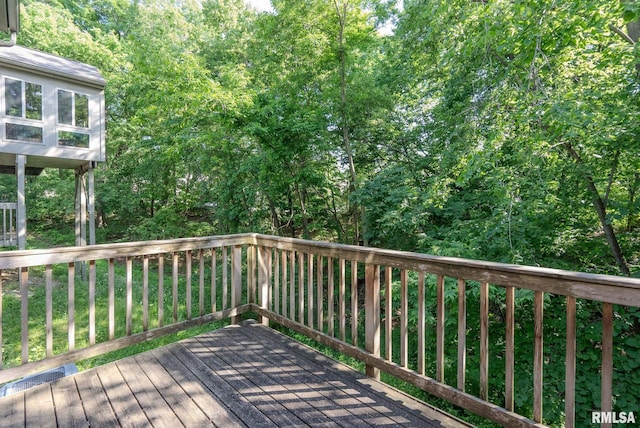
[129, 321]
[48, 275]
[225, 285]
[236, 281]
[187, 274]
[509, 349]
[174, 283]
[421, 325]
[388, 313]
[145, 292]
[404, 319]
[263, 283]
[4, 233]
[538, 356]
[484, 340]
[71, 323]
[440, 329]
[330, 298]
[276, 282]
[372, 315]
[462, 333]
[92, 302]
[251, 272]
[310, 308]
[292, 285]
[160, 290]
[570, 366]
[354, 303]
[301, 288]
[342, 302]
[111, 299]
[320, 295]
[214, 277]
[284, 265]
[1, 341]
[269, 278]
[201, 282]
[607, 359]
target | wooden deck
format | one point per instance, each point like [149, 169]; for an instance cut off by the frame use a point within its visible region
[243, 375]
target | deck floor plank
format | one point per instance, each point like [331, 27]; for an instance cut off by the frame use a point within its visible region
[95, 401]
[237, 389]
[344, 390]
[289, 383]
[159, 413]
[123, 402]
[189, 413]
[250, 358]
[45, 414]
[217, 414]
[69, 410]
[12, 410]
[240, 376]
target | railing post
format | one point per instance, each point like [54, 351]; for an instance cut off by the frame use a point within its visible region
[1, 342]
[236, 281]
[21, 207]
[251, 270]
[372, 315]
[263, 282]
[24, 312]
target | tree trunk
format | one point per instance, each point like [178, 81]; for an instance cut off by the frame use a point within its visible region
[633, 189]
[601, 209]
[303, 211]
[358, 212]
[276, 224]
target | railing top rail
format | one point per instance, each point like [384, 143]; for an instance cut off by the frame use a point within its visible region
[8, 205]
[40, 257]
[604, 288]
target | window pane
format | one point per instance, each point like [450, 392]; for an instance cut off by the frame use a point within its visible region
[13, 97]
[82, 111]
[31, 134]
[65, 107]
[73, 139]
[33, 94]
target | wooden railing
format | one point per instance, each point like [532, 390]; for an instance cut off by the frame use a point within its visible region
[134, 292]
[403, 314]
[315, 288]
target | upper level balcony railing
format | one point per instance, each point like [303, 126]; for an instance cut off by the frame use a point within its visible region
[386, 308]
[9, 236]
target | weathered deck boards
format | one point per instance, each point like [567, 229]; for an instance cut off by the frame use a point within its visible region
[245, 375]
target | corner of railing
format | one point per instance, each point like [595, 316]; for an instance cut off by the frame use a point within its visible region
[236, 280]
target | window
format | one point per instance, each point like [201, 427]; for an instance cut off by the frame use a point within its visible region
[73, 110]
[65, 107]
[73, 139]
[23, 100]
[32, 134]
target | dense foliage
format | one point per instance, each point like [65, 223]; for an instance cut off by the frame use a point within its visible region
[497, 130]
[494, 130]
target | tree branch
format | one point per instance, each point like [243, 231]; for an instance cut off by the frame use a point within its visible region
[612, 175]
[622, 34]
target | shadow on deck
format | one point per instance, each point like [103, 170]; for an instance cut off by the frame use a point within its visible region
[240, 375]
